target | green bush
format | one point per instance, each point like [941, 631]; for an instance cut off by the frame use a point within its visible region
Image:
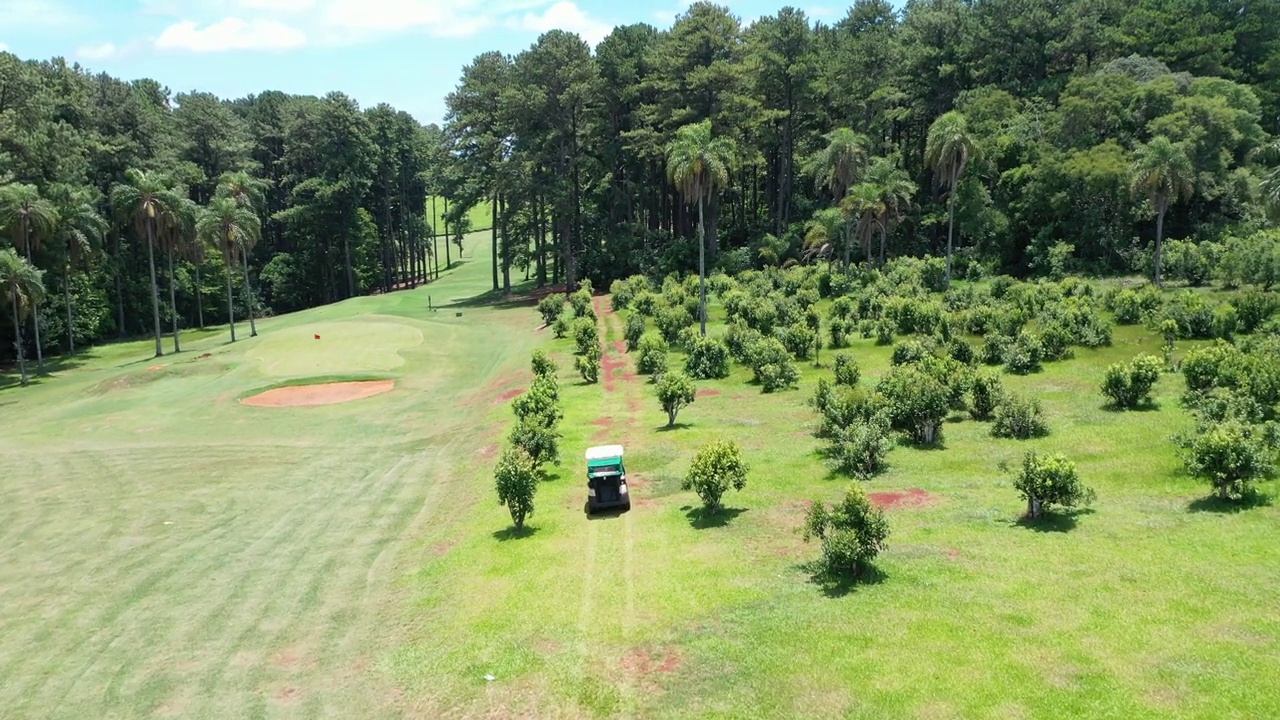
[516, 479]
[1019, 418]
[1253, 308]
[842, 309]
[1129, 386]
[1201, 367]
[851, 533]
[1050, 480]
[861, 449]
[986, 394]
[645, 303]
[560, 328]
[741, 341]
[688, 337]
[540, 403]
[760, 314]
[842, 406]
[716, 468]
[542, 365]
[839, 331]
[884, 332]
[908, 352]
[625, 291]
[588, 364]
[1023, 355]
[1196, 319]
[1231, 456]
[551, 307]
[633, 330]
[581, 302]
[994, 347]
[585, 334]
[1056, 342]
[916, 402]
[771, 364]
[651, 354]
[538, 441]
[846, 370]
[961, 351]
[708, 359]
[799, 339]
[675, 391]
[670, 320]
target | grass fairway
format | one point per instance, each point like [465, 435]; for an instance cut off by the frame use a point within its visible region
[168, 552]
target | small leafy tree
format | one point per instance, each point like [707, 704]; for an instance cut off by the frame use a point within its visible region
[1231, 456]
[581, 302]
[670, 320]
[716, 468]
[675, 392]
[543, 366]
[516, 477]
[585, 334]
[633, 330]
[852, 533]
[772, 366]
[1046, 480]
[540, 403]
[1023, 354]
[538, 440]
[986, 395]
[651, 355]
[551, 307]
[846, 370]
[1019, 418]
[861, 448]
[708, 359]
[1129, 386]
[560, 328]
[916, 402]
[588, 364]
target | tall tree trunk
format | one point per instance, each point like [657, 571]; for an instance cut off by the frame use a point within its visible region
[35, 306]
[199, 299]
[346, 258]
[231, 306]
[951, 224]
[702, 271]
[1161, 209]
[248, 295]
[448, 263]
[155, 289]
[66, 291]
[435, 238]
[493, 233]
[711, 226]
[506, 245]
[173, 302]
[848, 246]
[17, 330]
[884, 240]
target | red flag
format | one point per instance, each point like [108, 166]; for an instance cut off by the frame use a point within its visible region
[317, 337]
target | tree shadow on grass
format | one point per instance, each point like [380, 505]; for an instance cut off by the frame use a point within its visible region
[1149, 406]
[511, 533]
[702, 519]
[1053, 522]
[10, 377]
[838, 586]
[673, 428]
[1227, 506]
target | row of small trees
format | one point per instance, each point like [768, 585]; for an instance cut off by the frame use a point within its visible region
[534, 441]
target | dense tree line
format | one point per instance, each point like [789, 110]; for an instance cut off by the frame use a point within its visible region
[138, 208]
[1018, 133]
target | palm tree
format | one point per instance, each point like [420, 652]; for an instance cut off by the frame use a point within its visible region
[79, 232]
[864, 207]
[31, 219]
[146, 198]
[250, 193]
[1162, 173]
[948, 151]
[176, 230]
[1271, 180]
[895, 191]
[698, 165]
[838, 167]
[21, 284]
[228, 226]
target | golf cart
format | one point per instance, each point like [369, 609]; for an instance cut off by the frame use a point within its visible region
[606, 479]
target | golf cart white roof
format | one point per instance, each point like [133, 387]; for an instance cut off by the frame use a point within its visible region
[604, 451]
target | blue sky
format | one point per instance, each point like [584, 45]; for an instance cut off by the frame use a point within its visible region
[405, 52]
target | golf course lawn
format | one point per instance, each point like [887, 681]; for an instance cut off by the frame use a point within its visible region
[166, 551]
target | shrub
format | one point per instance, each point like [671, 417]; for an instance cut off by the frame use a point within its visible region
[1195, 318]
[675, 391]
[670, 320]
[645, 303]
[1201, 367]
[842, 309]
[542, 365]
[1225, 321]
[516, 479]
[560, 328]
[625, 291]
[539, 404]
[1253, 308]
[1230, 456]
[842, 407]
[840, 332]
[778, 376]
[585, 334]
[798, 339]
[1019, 418]
[633, 330]
[1129, 386]
[588, 364]
[551, 307]
[961, 351]
[741, 341]
[1023, 355]
[861, 448]
[1055, 341]
[916, 402]
[851, 533]
[687, 338]
[771, 363]
[884, 332]
[538, 441]
[716, 468]
[651, 355]
[708, 359]
[987, 393]
[994, 348]
[846, 370]
[908, 352]
[1048, 480]
[581, 302]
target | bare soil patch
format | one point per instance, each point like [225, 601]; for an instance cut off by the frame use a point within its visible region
[647, 662]
[708, 393]
[488, 452]
[509, 395]
[288, 695]
[892, 499]
[321, 394]
[154, 368]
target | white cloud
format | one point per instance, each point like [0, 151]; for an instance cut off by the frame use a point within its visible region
[436, 17]
[99, 51]
[565, 15]
[44, 14]
[823, 13]
[230, 34]
[4, 48]
[277, 6]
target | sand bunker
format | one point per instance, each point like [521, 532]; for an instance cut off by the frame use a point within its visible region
[322, 394]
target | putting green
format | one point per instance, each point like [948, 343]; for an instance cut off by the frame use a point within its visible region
[357, 345]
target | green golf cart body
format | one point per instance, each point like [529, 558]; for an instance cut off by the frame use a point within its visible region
[606, 479]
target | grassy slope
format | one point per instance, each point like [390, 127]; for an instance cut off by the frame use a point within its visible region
[481, 215]
[350, 560]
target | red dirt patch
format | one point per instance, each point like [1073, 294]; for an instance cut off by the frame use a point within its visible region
[708, 393]
[641, 662]
[901, 498]
[620, 346]
[441, 549]
[605, 424]
[952, 553]
[154, 368]
[612, 367]
[509, 395]
[287, 660]
[488, 452]
[288, 695]
[322, 394]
